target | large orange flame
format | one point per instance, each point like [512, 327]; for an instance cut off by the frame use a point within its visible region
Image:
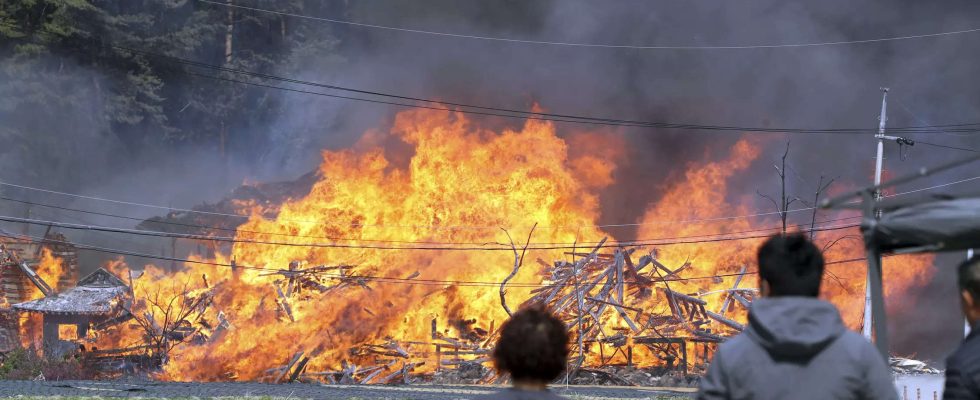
[463, 184]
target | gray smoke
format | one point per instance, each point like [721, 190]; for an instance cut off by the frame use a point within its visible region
[810, 87]
[830, 86]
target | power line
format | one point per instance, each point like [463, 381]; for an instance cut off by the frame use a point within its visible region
[81, 221]
[496, 111]
[413, 281]
[521, 114]
[489, 111]
[688, 221]
[557, 117]
[234, 230]
[916, 117]
[934, 187]
[948, 146]
[490, 246]
[597, 45]
[130, 203]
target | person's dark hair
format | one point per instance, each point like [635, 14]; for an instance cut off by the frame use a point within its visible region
[792, 265]
[533, 345]
[968, 276]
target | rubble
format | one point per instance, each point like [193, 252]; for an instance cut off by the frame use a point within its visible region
[596, 288]
[588, 293]
[908, 366]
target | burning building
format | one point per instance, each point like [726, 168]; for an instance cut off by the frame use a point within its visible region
[26, 267]
[99, 300]
[388, 265]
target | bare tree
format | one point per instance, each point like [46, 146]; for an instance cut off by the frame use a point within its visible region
[518, 261]
[821, 187]
[782, 207]
[169, 318]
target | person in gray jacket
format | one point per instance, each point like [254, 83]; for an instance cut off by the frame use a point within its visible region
[795, 345]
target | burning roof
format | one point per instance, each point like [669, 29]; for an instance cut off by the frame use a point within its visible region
[96, 294]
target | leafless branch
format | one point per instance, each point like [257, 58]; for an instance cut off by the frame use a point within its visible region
[518, 261]
[837, 280]
[821, 187]
[828, 246]
[767, 197]
[782, 206]
[168, 319]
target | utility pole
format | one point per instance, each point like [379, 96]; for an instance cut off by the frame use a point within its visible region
[882, 118]
[868, 327]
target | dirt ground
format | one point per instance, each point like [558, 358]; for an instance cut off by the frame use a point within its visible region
[175, 390]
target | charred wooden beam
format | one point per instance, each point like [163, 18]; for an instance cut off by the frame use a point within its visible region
[299, 369]
[725, 321]
[35, 279]
[123, 317]
[596, 255]
[684, 297]
[741, 299]
[284, 304]
[289, 366]
[728, 297]
[372, 374]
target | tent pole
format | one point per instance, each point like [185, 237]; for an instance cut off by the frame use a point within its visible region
[879, 326]
[966, 324]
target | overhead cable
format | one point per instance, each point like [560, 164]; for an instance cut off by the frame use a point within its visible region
[333, 238]
[686, 221]
[490, 246]
[598, 45]
[409, 281]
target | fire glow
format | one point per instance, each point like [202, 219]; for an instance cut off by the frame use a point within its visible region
[461, 184]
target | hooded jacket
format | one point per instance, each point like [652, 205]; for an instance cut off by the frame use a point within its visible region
[963, 369]
[796, 348]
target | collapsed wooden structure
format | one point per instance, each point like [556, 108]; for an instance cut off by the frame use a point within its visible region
[20, 258]
[19, 281]
[599, 289]
[611, 304]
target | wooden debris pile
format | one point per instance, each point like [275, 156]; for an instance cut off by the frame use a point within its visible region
[611, 303]
[594, 294]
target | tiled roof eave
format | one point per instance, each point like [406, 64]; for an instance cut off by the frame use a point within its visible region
[62, 312]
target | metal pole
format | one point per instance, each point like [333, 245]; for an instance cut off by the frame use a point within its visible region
[966, 324]
[877, 301]
[866, 328]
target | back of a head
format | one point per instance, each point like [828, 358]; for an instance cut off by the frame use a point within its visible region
[968, 276]
[792, 265]
[533, 346]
